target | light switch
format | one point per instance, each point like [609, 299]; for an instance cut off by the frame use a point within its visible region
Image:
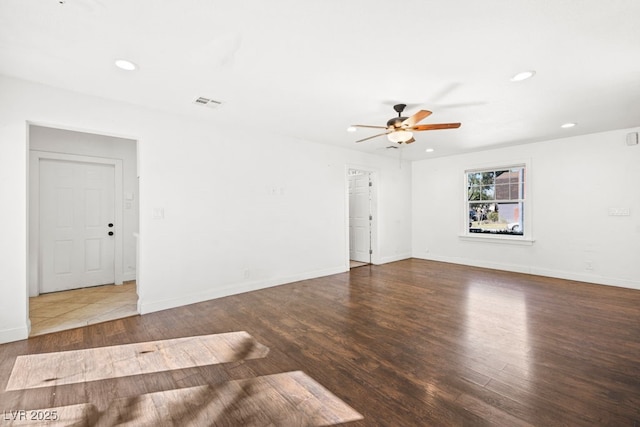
[619, 211]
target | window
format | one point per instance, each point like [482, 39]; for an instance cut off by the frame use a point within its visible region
[495, 200]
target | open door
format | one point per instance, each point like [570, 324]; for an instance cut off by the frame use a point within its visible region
[360, 217]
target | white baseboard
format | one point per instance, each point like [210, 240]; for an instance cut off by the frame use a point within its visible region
[558, 274]
[388, 259]
[14, 334]
[127, 277]
[145, 307]
[599, 280]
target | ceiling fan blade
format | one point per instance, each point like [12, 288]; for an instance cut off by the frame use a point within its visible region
[436, 126]
[411, 121]
[374, 136]
[410, 141]
[369, 126]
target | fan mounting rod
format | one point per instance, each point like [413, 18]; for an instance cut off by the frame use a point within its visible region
[396, 122]
[399, 108]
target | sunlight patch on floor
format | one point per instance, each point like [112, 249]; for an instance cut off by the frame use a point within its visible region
[282, 399]
[93, 364]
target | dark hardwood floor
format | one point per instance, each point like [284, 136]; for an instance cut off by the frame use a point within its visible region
[411, 343]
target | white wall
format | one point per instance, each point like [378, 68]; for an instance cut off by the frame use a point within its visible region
[13, 245]
[573, 182]
[87, 144]
[240, 213]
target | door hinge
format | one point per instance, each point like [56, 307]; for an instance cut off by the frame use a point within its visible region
[370, 184]
[370, 217]
[370, 251]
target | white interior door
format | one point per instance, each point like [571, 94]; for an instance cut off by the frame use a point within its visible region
[359, 216]
[77, 213]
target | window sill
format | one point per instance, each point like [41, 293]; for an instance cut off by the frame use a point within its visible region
[499, 239]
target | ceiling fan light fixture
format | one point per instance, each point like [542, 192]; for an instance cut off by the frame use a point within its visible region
[524, 75]
[400, 136]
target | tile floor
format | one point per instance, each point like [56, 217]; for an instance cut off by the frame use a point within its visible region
[354, 264]
[59, 311]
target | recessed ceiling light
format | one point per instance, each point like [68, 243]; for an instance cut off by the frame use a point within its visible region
[123, 64]
[568, 125]
[525, 75]
[429, 150]
[351, 129]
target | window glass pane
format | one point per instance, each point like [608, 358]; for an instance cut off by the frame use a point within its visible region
[496, 218]
[487, 177]
[502, 192]
[475, 178]
[488, 192]
[474, 193]
[502, 177]
[517, 174]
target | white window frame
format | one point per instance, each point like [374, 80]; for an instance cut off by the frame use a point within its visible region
[527, 237]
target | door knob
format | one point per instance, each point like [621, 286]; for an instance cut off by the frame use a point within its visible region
[111, 233]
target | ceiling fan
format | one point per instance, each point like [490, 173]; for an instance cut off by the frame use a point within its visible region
[400, 129]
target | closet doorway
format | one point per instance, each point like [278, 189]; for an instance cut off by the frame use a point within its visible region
[361, 216]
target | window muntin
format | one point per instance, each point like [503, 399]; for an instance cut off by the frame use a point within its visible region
[495, 200]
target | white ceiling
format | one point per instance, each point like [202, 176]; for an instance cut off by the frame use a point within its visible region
[309, 69]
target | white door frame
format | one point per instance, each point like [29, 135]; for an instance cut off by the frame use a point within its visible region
[373, 173]
[35, 270]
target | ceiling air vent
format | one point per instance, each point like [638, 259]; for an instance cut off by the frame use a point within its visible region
[208, 102]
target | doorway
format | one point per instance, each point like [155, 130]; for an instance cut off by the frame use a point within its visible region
[361, 216]
[83, 213]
